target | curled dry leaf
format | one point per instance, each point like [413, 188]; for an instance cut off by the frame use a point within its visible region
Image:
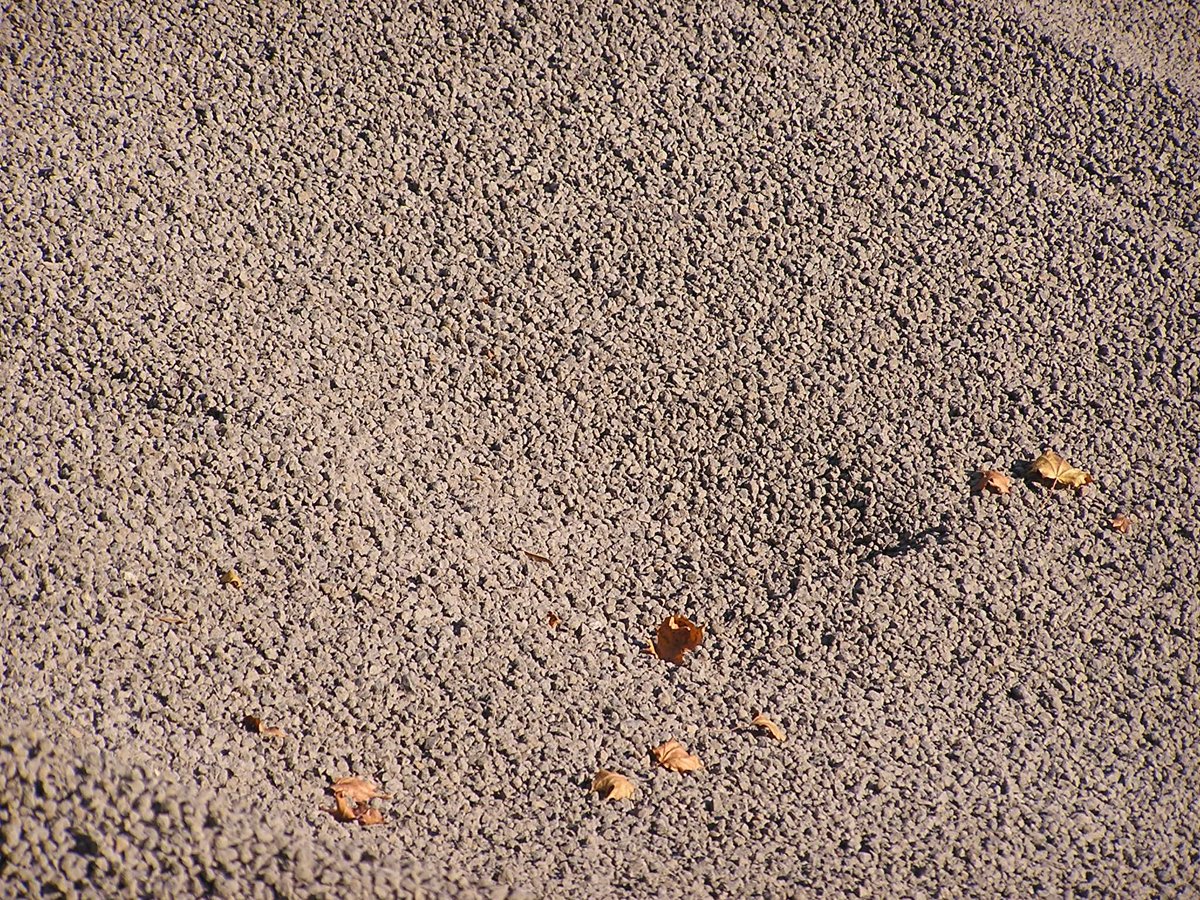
[993, 481]
[762, 723]
[673, 756]
[1122, 523]
[1054, 470]
[231, 578]
[612, 786]
[676, 636]
[343, 809]
[536, 557]
[255, 724]
[357, 789]
[553, 621]
[368, 815]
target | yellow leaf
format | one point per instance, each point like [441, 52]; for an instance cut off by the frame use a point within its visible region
[762, 722]
[1052, 468]
[612, 786]
[673, 756]
[231, 578]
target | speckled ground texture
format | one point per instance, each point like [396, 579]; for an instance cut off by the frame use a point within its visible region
[716, 308]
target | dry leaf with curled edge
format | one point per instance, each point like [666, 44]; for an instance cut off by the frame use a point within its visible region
[231, 578]
[343, 810]
[255, 724]
[357, 789]
[1122, 523]
[553, 621]
[764, 724]
[612, 786]
[368, 815]
[673, 756]
[1052, 468]
[676, 636]
[993, 481]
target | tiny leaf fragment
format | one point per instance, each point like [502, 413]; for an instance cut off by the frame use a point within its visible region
[231, 578]
[1122, 523]
[255, 724]
[764, 724]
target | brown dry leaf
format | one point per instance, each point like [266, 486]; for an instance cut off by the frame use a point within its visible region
[255, 724]
[343, 811]
[672, 755]
[536, 557]
[368, 815]
[994, 481]
[762, 722]
[676, 636]
[357, 789]
[171, 620]
[1122, 523]
[231, 578]
[1052, 468]
[553, 621]
[612, 786]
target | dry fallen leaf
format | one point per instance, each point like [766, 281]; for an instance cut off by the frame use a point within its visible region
[536, 557]
[255, 724]
[171, 620]
[762, 722]
[553, 621]
[357, 789]
[231, 578]
[368, 815]
[343, 811]
[1052, 468]
[671, 755]
[676, 636]
[611, 786]
[1122, 523]
[994, 481]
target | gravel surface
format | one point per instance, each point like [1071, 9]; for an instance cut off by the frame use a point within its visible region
[433, 324]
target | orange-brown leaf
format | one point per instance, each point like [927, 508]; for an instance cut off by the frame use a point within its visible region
[673, 756]
[676, 636]
[343, 809]
[255, 724]
[1057, 472]
[553, 621]
[1122, 523]
[368, 815]
[994, 481]
[764, 724]
[612, 786]
[357, 789]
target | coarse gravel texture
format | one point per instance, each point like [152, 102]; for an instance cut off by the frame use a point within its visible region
[718, 308]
